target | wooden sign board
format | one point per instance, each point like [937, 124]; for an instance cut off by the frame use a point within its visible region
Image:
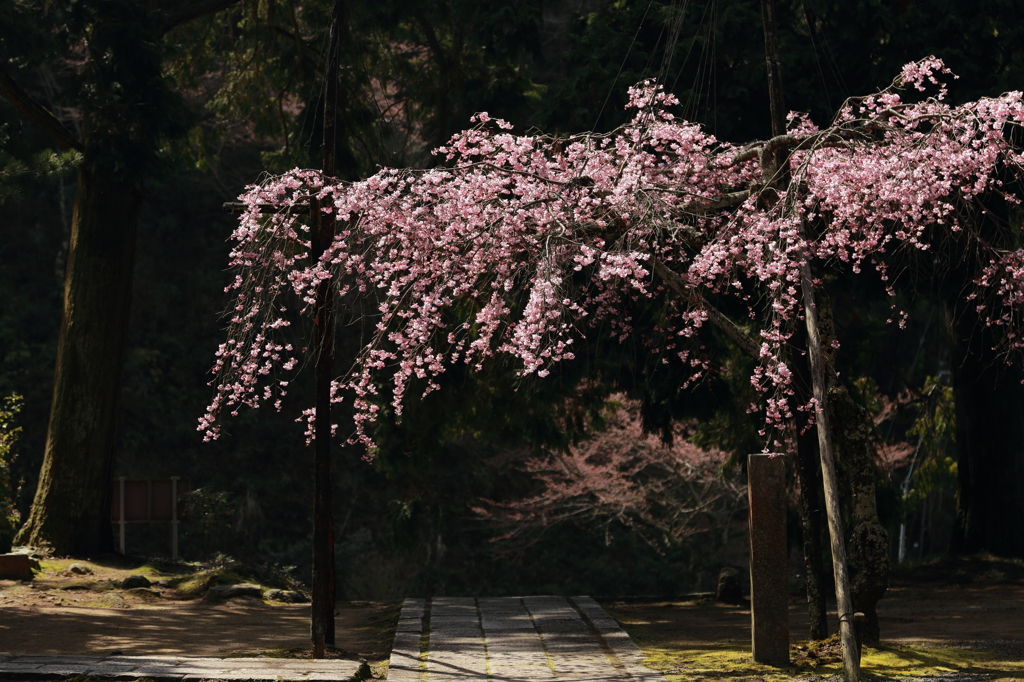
[147, 500]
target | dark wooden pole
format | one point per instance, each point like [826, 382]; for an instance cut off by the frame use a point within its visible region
[322, 234]
[769, 579]
[851, 656]
[771, 53]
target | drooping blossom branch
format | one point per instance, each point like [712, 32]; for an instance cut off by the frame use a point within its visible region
[524, 242]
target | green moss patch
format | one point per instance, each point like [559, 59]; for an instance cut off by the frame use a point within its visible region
[198, 584]
[732, 661]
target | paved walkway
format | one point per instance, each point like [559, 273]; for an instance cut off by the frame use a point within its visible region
[175, 668]
[528, 639]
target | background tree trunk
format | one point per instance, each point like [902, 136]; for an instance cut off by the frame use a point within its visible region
[853, 434]
[810, 507]
[810, 502]
[72, 502]
[989, 401]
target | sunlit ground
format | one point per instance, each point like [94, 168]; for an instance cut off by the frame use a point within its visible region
[733, 662]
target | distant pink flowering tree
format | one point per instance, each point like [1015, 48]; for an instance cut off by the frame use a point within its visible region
[522, 242]
[622, 475]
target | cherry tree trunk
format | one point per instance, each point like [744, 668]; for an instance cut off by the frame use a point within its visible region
[322, 229]
[70, 511]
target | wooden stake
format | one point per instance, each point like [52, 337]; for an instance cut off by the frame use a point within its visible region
[847, 634]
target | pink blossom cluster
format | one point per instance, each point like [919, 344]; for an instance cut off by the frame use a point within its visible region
[622, 475]
[522, 243]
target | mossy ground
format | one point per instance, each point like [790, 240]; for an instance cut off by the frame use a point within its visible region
[98, 584]
[732, 661]
[942, 617]
[199, 583]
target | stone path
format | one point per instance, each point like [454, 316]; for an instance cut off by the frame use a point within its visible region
[528, 639]
[175, 668]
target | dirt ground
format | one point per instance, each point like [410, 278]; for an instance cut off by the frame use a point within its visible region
[955, 620]
[926, 612]
[64, 613]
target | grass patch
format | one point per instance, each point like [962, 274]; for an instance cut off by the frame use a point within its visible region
[50, 567]
[733, 662]
[230, 572]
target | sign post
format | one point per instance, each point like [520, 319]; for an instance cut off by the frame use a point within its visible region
[769, 593]
[147, 500]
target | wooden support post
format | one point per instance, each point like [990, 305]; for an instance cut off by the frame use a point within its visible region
[174, 518]
[769, 588]
[120, 483]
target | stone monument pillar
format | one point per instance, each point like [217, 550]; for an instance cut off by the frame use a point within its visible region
[769, 589]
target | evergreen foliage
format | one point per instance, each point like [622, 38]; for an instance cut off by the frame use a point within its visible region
[8, 437]
[236, 94]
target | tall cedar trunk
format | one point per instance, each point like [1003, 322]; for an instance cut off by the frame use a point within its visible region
[72, 502]
[989, 401]
[853, 434]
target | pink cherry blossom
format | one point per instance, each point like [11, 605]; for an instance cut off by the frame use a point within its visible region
[520, 244]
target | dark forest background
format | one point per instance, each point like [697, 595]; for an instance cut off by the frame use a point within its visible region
[244, 99]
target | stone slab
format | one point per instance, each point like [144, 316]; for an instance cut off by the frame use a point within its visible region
[409, 626]
[514, 639]
[177, 668]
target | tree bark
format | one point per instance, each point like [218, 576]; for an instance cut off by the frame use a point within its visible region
[989, 400]
[810, 506]
[322, 230]
[70, 511]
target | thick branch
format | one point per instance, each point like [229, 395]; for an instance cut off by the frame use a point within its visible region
[728, 200]
[701, 205]
[37, 114]
[831, 137]
[241, 207]
[715, 317]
